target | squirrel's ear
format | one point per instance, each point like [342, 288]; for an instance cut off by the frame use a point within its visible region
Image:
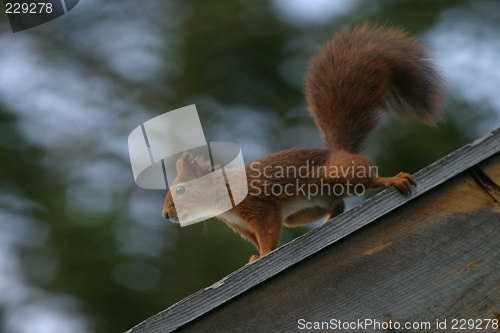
[189, 168]
[201, 166]
[185, 168]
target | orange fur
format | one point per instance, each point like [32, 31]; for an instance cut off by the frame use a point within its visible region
[357, 74]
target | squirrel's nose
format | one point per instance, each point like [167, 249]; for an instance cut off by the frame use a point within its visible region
[165, 213]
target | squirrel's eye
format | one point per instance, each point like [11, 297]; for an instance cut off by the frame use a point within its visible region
[180, 189]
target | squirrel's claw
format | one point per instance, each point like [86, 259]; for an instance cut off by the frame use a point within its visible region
[403, 182]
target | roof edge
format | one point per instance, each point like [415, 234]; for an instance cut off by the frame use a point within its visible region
[249, 276]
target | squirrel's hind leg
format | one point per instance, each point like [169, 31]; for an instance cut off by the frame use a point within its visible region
[305, 216]
[337, 209]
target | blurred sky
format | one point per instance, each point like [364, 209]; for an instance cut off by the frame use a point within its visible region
[76, 87]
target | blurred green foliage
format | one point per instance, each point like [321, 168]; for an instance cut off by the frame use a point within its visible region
[224, 54]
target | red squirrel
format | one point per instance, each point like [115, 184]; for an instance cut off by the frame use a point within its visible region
[359, 74]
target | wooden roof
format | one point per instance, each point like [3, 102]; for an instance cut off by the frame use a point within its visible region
[436, 258]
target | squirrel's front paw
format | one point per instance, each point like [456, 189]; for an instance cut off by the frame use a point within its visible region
[253, 258]
[403, 182]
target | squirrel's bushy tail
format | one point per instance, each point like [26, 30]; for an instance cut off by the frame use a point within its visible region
[363, 71]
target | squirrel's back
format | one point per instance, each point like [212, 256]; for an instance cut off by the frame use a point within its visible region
[363, 71]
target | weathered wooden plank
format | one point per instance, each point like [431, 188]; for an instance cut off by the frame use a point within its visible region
[490, 176]
[491, 168]
[436, 258]
[288, 255]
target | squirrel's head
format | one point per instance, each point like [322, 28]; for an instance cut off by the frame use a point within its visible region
[192, 199]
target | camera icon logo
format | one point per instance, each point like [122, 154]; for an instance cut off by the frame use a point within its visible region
[163, 149]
